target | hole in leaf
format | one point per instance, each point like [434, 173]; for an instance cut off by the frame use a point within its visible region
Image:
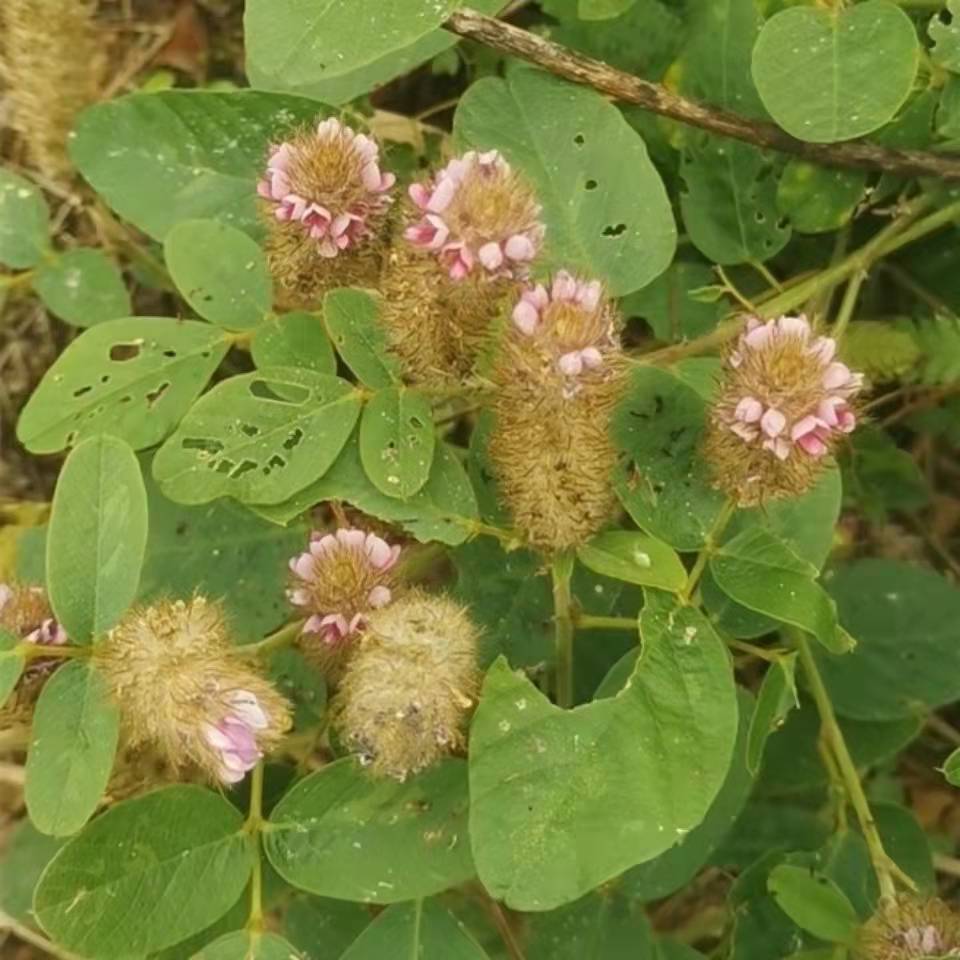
[579, 140]
[80, 391]
[225, 466]
[614, 230]
[170, 353]
[205, 444]
[154, 396]
[249, 429]
[245, 467]
[105, 378]
[124, 351]
[293, 440]
[416, 423]
[279, 392]
[759, 217]
[276, 462]
[590, 185]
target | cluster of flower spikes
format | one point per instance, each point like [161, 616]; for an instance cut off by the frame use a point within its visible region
[783, 404]
[559, 373]
[25, 613]
[325, 202]
[910, 929]
[463, 249]
[184, 695]
[403, 665]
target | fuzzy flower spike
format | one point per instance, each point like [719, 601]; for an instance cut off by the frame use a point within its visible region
[477, 215]
[183, 694]
[784, 403]
[339, 579]
[324, 201]
[910, 929]
[25, 612]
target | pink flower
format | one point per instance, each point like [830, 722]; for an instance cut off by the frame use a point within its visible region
[234, 737]
[341, 576]
[336, 217]
[807, 362]
[464, 225]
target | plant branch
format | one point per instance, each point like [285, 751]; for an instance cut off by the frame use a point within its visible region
[562, 570]
[658, 99]
[253, 826]
[883, 865]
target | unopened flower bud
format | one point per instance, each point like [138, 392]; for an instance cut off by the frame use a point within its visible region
[407, 688]
[784, 403]
[338, 580]
[559, 374]
[184, 697]
[324, 198]
[473, 231]
[910, 929]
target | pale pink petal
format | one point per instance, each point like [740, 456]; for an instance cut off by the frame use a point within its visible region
[812, 444]
[823, 348]
[420, 194]
[592, 358]
[299, 597]
[246, 706]
[836, 376]
[378, 551]
[379, 597]
[526, 317]
[590, 295]
[778, 446]
[759, 336]
[749, 410]
[794, 326]
[395, 552]
[773, 422]
[564, 286]
[303, 567]
[314, 624]
[570, 364]
[806, 425]
[351, 537]
[442, 196]
[490, 255]
[520, 248]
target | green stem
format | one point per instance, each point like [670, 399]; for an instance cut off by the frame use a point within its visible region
[253, 826]
[586, 621]
[847, 304]
[40, 651]
[562, 571]
[284, 637]
[710, 544]
[884, 867]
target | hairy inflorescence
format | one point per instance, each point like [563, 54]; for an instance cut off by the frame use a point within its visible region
[910, 929]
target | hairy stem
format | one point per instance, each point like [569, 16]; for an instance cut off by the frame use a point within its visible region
[884, 867]
[658, 99]
[562, 571]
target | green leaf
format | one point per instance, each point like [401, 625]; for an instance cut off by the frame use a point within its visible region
[828, 75]
[133, 378]
[83, 287]
[248, 946]
[761, 572]
[340, 833]
[815, 903]
[26, 853]
[200, 152]
[729, 205]
[397, 441]
[443, 510]
[319, 926]
[128, 883]
[333, 39]
[602, 9]
[24, 222]
[603, 925]
[777, 697]
[422, 930]
[352, 319]
[945, 33]
[11, 664]
[604, 204]
[634, 558]
[220, 550]
[97, 537]
[563, 800]
[220, 272]
[260, 437]
[294, 340]
[951, 768]
[665, 486]
[72, 746]
[818, 199]
[907, 659]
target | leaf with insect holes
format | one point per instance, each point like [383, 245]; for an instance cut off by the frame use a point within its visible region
[83, 287]
[397, 440]
[133, 378]
[220, 272]
[259, 437]
[604, 205]
[634, 558]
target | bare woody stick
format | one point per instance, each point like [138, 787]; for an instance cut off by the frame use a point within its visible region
[657, 99]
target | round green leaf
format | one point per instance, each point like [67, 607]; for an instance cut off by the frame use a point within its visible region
[220, 272]
[397, 440]
[604, 204]
[634, 558]
[134, 378]
[72, 746]
[130, 883]
[97, 537]
[24, 222]
[159, 158]
[242, 945]
[260, 437]
[293, 340]
[561, 801]
[340, 833]
[907, 658]
[814, 903]
[816, 199]
[83, 287]
[833, 74]
[422, 930]
[352, 319]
